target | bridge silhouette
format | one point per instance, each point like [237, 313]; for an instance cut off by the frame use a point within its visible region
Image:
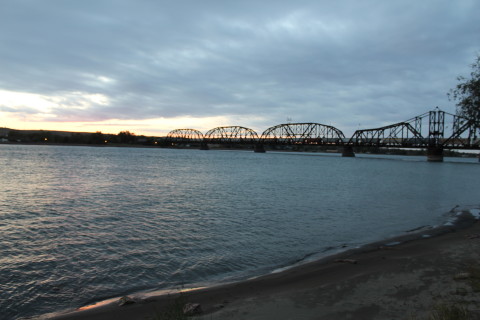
[434, 131]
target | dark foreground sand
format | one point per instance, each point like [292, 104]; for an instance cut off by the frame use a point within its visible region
[405, 281]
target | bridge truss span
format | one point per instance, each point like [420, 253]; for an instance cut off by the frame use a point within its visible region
[231, 135]
[302, 133]
[465, 135]
[401, 134]
[179, 136]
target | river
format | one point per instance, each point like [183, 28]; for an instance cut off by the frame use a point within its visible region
[82, 224]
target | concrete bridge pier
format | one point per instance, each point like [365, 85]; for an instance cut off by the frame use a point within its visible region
[435, 154]
[348, 151]
[259, 148]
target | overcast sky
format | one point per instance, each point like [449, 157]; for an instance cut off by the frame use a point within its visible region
[153, 66]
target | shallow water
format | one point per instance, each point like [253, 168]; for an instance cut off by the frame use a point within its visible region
[80, 224]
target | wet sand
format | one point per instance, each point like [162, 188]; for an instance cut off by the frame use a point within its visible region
[377, 281]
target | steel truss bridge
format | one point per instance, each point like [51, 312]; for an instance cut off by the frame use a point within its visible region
[434, 130]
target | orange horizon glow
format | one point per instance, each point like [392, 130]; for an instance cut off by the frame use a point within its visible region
[29, 111]
[148, 127]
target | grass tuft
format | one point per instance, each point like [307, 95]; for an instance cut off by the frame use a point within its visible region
[173, 311]
[444, 311]
[474, 272]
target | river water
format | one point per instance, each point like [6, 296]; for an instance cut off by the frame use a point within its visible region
[82, 224]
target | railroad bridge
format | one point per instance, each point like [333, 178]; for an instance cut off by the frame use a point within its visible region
[434, 131]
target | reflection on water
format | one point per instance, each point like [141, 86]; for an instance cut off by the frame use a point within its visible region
[81, 224]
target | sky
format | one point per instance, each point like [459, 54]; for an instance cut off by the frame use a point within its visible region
[150, 67]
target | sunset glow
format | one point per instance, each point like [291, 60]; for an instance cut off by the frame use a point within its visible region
[153, 68]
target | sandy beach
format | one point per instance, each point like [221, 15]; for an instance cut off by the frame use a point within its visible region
[403, 278]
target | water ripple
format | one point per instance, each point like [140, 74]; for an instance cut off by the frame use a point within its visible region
[82, 224]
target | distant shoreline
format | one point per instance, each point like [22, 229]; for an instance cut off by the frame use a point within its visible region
[79, 145]
[386, 151]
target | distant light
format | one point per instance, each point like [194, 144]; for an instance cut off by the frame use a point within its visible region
[46, 139]
[106, 141]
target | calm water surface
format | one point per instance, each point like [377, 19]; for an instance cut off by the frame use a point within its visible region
[81, 224]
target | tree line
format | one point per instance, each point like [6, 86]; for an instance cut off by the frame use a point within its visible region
[96, 138]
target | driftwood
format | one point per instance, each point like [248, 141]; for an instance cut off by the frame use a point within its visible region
[347, 261]
[125, 300]
[191, 309]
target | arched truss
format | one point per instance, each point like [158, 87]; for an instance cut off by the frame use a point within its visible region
[302, 133]
[401, 134]
[184, 136]
[231, 134]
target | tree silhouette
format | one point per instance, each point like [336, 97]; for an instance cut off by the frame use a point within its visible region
[467, 94]
[97, 138]
[126, 137]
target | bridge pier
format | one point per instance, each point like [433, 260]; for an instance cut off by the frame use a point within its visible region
[435, 154]
[204, 146]
[259, 148]
[348, 151]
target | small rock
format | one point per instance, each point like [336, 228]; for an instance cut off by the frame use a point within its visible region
[191, 309]
[125, 300]
[462, 276]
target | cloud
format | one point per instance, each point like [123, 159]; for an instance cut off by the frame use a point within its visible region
[342, 63]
